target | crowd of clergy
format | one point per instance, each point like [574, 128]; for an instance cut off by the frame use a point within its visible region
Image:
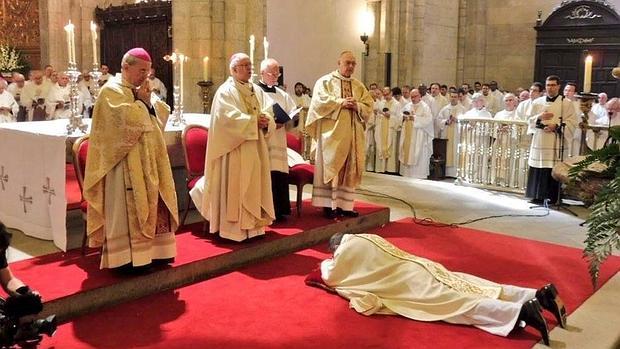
[45, 95]
[398, 143]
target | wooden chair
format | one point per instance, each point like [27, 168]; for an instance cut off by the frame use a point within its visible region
[80, 151]
[301, 174]
[194, 139]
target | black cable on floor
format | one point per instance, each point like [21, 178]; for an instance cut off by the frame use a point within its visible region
[431, 222]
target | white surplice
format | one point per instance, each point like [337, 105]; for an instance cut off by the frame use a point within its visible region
[545, 148]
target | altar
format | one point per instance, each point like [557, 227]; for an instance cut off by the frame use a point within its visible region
[32, 173]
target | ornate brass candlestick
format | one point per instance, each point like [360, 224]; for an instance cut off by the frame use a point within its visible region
[206, 90]
[585, 102]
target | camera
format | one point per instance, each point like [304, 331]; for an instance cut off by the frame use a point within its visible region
[385, 110]
[539, 124]
[16, 327]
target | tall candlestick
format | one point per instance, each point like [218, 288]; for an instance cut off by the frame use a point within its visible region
[266, 46]
[205, 68]
[252, 43]
[93, 35]
[587, 75]
[69, 31]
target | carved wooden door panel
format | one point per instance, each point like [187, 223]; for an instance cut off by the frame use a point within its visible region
[146, 25]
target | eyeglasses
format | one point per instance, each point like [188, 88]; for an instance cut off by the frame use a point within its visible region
[277, 75]
[246, 65]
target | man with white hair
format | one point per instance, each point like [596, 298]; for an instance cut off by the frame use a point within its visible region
[478, 109]
[339, 110]
[599, 108]
[524, 96]
[283, 105]
[416, 141]
[510, 102]
[128, 184]
[8, 106]
[59, 99]
[237, 198]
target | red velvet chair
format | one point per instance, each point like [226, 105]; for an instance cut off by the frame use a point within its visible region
[80, 151]
[194, 139]
[300, 174]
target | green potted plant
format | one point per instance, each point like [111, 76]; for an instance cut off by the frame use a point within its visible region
[10, 60]
[603, 223]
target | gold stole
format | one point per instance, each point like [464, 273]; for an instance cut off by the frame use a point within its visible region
[408, 128]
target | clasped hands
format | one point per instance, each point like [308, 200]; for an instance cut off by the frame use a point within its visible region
[349, 103]
[143, 93]
[263, 121]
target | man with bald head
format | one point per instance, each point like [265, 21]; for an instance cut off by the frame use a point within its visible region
[283, 104]
[237, 198]
[128, 184]
[339, 110]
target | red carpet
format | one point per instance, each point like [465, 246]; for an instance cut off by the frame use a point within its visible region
[269, 306]
[60, 274]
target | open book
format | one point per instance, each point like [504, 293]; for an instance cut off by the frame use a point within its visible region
[281, 116]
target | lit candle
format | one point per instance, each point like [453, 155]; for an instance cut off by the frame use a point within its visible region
[587, 75]
[252, 42]
[181, 61]
[266, 46]
[69, 31]
[205, 68]
[93, 34]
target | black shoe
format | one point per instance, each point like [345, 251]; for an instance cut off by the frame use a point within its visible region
[531, 314]
[349, 213]
[548, 298]
[536, 201]
[280, 219]
[329, 213]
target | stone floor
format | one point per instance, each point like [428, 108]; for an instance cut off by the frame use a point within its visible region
[591, 326]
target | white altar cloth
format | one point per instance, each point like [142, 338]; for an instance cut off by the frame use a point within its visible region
[30, 154]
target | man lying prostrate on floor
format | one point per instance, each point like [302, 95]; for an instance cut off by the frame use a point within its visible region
[379, 278]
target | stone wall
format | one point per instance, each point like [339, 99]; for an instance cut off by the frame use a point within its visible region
[217, 29]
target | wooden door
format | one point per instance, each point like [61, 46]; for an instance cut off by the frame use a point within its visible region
[146, 25]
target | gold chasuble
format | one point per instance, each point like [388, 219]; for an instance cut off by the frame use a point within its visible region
[339, 133]
[237, 200]
[127, 150]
